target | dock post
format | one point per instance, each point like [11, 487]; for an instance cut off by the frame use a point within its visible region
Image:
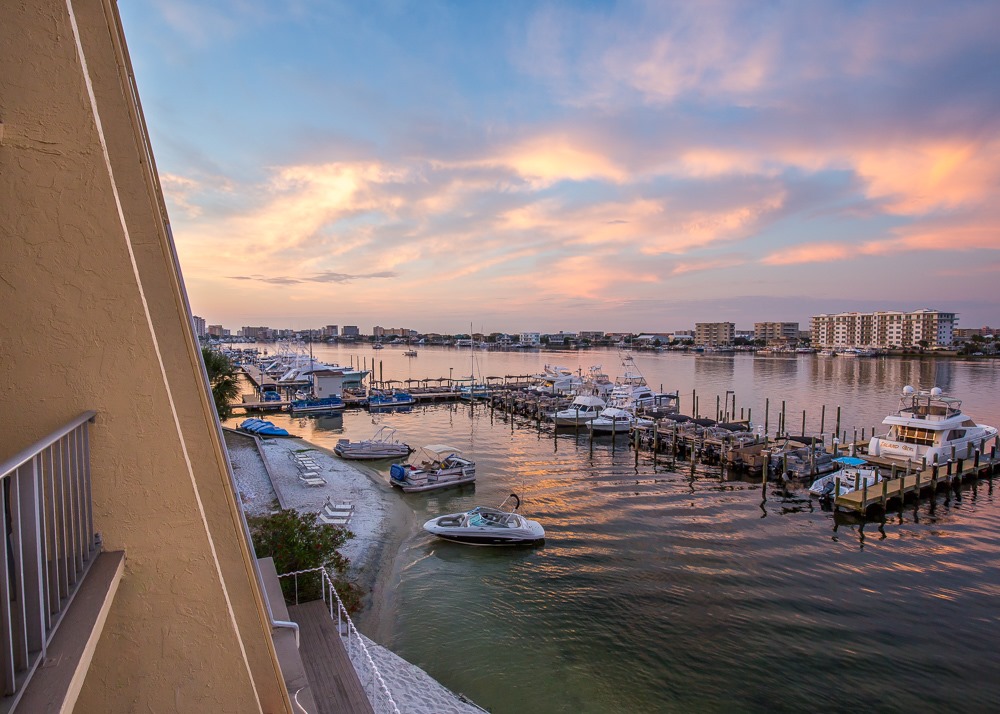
[975, 463]
[718, 414]
[784, 426]
[923, 462]
[822, 419]
[656, 441]
[577, 424]
[803, 422]
[767, 409]
[892, 472]
[591, 428]
[836, 489]
[885, 492]
[837, 430]
[864, 494]
[916, 488]
[862, 434]
[934, 474]
[635, 446]
[766, 455]
[784, 464]
[749, 414]
[949, 470]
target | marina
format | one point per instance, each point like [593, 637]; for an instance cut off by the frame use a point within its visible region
[668, 574]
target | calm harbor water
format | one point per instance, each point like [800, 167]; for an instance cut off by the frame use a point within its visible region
[659, 591]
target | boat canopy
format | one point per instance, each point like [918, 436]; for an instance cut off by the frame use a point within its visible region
[850, 461]
[442, 449]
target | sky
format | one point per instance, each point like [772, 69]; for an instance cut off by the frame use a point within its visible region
[543, 166]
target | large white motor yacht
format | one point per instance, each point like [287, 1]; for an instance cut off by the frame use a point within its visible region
[928, 425]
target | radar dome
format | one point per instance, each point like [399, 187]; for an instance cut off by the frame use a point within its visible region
[936, 392]
[907, 390]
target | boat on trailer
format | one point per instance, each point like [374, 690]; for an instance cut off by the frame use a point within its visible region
[440, 467]
[383, 445]
[484, 525]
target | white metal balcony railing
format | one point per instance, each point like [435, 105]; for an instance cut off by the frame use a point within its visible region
[46, 517]
[371, 679]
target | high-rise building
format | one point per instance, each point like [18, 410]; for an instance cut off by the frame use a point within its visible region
[884, 329]
[199, 325]
[714, 334]
[351, 331]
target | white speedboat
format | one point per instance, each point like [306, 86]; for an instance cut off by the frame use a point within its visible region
[440, 467]
[854, 474]
[929, 425]
[583, 409]
[484, 525]
[383, 445]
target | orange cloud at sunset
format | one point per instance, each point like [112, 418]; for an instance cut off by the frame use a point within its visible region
[809, 253]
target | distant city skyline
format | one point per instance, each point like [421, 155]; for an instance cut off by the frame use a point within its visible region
[594, 166]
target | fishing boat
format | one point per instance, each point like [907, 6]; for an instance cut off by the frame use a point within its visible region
[260, 427]
[311, 405]
[854, 474]
[389, 398]
[484, 525]
[583, 409]
[410, 353]
[440, 466]
[383, 445]
[930, 425]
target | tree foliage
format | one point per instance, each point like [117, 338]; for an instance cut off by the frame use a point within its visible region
[298, 541]
[223, 379]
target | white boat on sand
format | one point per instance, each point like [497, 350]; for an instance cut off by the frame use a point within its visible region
[440, 466]
[383, 445]
[484, 525]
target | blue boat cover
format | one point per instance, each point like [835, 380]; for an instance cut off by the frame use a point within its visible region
[850, 461]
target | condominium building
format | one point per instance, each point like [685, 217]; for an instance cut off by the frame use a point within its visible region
[714, 334]
[884, 329]
[776, 332]
[128, 580]
[199, 326]
[351, 331]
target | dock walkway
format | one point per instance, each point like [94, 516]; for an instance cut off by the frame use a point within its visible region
[930, 479]
[332, 678]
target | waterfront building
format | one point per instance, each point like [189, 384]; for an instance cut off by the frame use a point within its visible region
[148, 597]
[217, 331]
[351, 331]
[592, 335]
[256, 333]
[714, 334]
[328, 331]
[776, 333]
[199, 326]
[884, 329]
[531, 338]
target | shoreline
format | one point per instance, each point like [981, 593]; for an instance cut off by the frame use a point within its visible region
[264, 471]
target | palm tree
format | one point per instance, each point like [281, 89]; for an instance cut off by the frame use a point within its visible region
[223, 379]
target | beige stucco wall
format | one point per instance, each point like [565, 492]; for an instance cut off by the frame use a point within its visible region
[82, 327]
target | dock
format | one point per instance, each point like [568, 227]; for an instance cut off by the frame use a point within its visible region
[896, 488]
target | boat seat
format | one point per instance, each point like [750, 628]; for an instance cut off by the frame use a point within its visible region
[333, 520]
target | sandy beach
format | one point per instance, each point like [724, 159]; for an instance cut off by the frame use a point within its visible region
[266, 473]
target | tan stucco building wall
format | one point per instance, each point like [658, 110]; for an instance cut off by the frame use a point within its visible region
[94, 316]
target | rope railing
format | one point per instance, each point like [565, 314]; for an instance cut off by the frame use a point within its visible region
[371, 680]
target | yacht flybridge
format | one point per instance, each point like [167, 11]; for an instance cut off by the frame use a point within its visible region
[928, 425]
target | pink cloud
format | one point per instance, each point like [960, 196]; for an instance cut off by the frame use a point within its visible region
[809, 253]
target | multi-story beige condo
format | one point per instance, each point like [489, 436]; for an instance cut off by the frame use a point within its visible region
[884, 329]
[714, 334]
[776, 332]
[127, 580]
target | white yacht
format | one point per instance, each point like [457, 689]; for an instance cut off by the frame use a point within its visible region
[583, 409]
[928, 425]
[440, 466]
[484, 525]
